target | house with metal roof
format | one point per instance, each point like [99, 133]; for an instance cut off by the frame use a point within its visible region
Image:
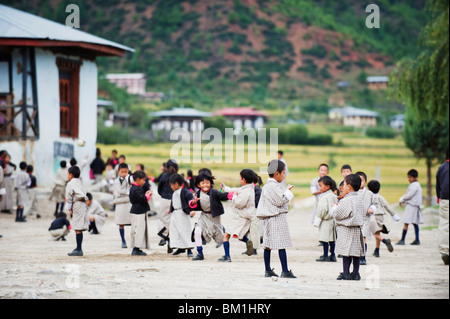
[244, 117]
[378, 82]
[48, 90]
[352, 116]
[179, 117]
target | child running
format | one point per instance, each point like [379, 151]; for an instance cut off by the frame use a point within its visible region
[273, 209]
[327, 228]
[209, 201]
[244, 209]
[377, 225]
[180, 218]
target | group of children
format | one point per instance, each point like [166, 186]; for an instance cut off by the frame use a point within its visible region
[346, 215]
[350, 214]
[20, 187]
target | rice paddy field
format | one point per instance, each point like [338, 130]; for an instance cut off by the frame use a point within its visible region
[386, 160]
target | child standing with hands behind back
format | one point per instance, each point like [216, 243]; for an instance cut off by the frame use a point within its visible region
[273, 209]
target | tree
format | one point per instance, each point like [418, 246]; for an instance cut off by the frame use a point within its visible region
[427, 137]
[422, 83]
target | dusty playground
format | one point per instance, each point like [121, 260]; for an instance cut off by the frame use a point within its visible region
[33, 267]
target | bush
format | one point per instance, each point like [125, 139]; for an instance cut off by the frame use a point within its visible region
[320, 139]
[381, 132]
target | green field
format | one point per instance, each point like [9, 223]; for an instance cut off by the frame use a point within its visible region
[387, 159]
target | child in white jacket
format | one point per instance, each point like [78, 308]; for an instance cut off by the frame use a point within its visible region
[243, 199]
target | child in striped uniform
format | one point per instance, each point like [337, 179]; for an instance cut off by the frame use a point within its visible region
[273, 209]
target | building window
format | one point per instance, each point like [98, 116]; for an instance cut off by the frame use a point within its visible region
[69, 87]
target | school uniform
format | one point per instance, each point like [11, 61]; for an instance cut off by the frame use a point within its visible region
[349, 217]
[33, 205]
[21, 183]
[314, 187]
[327, 227]
[95, 209]
[166, 192]
[273, 209]
[383, 207]
[180, 219]
[139, 209]
[76, 201]
[8, 199]
[210, 205]
[60, 182]
[366, 196]
[59, 228]
[122, 214]
[243, 210]
[412, 201]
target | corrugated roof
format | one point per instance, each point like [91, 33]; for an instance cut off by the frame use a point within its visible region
[16, 24]
[181, 112]
[353, 111]
[372, 79]
[240, 111]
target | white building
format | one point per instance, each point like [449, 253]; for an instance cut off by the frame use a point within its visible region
[188, 118]
[48, 90]
[352, 116]
[134, 83]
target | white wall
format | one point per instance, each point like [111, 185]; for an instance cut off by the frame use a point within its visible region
[40, 153]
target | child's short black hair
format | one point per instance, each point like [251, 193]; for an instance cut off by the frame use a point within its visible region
[122, 165]
[354, 181]
[362, 174]
[202, 177]
[176, 179]
[23, 165]
[413, 173]
[75, 171]
[30, 168]
[327, 180]
[63, 164]
[275, 166]
[248, 175]
[323, 164]
[89, 196]
[139, 175]
[374, 186]
[281, 153]
[61, 215]
[346, 166]
[205, 171]
[73, 161]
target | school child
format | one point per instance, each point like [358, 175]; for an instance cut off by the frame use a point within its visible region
[243, 199]
[21, 182]
[255, 227]
[273, 209]
[166, 192]
[349, 217]
[139, 208]
[180, 217]
[208, 201]
[33, 205]
[122, 216]
[60, 227]
[7, 203]
[377, 225]
[340, 191]
[323, 170]
[97, 215]
[412, 201]
[369, 210]
[59, 189]
[110, 178]
[327, 228]
[76, 203]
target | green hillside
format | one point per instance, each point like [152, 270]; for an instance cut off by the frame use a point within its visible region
[250, 51]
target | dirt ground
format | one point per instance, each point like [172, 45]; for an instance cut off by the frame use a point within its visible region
[33, 267]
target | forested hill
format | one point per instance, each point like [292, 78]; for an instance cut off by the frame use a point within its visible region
[207, 48]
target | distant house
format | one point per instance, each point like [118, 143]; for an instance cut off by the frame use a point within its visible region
[352, 116]
[244, 117]
[398, 121]
[134, 83]
[179, 117]
[48, 90]
[377, 82]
